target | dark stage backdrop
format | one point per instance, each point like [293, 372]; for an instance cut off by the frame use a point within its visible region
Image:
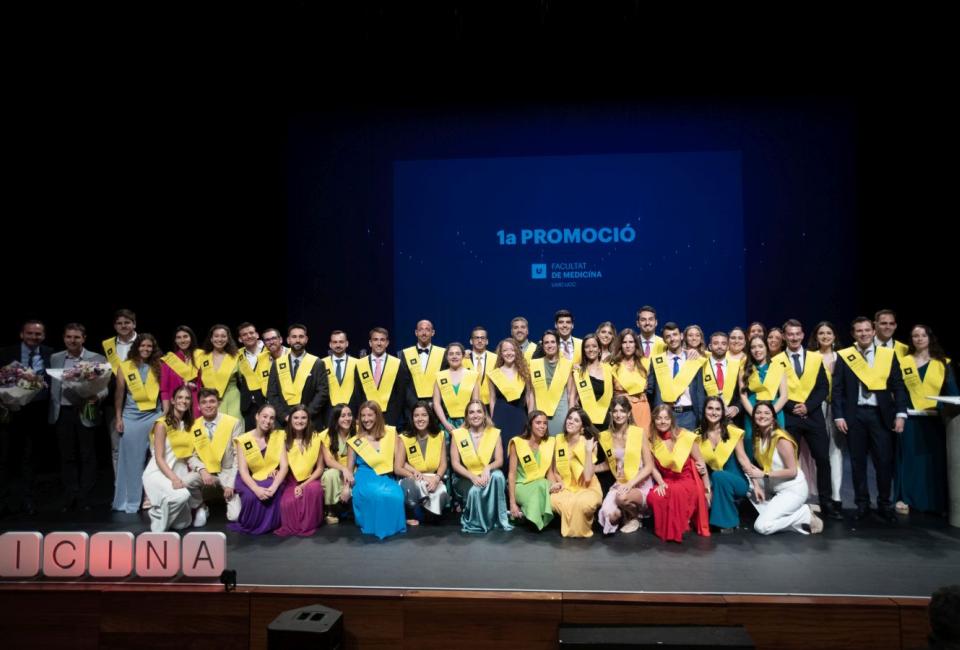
[742, 211]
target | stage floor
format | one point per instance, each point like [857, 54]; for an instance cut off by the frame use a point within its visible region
[912, 558]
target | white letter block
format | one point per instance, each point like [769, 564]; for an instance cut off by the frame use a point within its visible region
[204, 555]
[20, 554]
[111, 555]
[158, 555]
[65, 555]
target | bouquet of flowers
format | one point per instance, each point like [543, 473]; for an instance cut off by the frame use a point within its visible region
[84, 381]
[19, 385]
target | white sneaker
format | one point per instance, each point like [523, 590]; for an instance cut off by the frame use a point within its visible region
[631, 526]
[816, 523]
[200, 517]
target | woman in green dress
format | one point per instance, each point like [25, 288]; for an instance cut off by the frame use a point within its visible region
[530, 474]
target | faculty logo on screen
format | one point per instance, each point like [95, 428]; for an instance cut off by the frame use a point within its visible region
[538, 271]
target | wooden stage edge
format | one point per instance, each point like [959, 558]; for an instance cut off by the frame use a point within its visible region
[98, 615]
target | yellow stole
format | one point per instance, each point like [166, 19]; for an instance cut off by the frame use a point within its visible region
[717, 457]
[548, 397]
[431, 463]
[676, 458]
[257, 378]
[341, 393]
[469, 457]
[260, 465]
[671, 388]
[456, 402]
[658, 347]
[213, 377]
[302, 462]
[144, 395]
[874, 378]
[292, 388]
[530, 351]
[768, 389]
[729, 380]
[424, 377]
[900, 349]
[765, 456]
[632, 452]
[110, 352]
[595, 407]
[388, 377]
[533, 469]
[511, 389]
[570, 461]
[799, 388]
[489, 362]
[380, 461]
[630, 380]
[931, 385]
[341, 450]
[181, 441]
[186, 372]
[211, 451]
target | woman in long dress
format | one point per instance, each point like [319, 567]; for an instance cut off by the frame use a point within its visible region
[626, 452]
[301, 501]
[178, 369]
[510, 395]
[531, 472]
[761, 379]
[594, 382]
[477, 456]
[454, 388]
[377, 497]
[551, 377]
[577, 495]
[721, 446]
[217, 361]
[421, 463]
[262, 465]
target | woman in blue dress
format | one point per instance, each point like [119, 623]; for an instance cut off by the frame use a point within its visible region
[377, 497]
[510, 394]
[137, 408]
[762, 379]
[920, 481]
[721, 446]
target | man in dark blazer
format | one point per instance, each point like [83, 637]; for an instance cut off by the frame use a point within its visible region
[869, 414]
[315, 393]
[27, 426]
[808, 387]
[391, 369]
[688, 405]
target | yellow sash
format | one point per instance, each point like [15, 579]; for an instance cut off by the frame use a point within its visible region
[716, 458]
[548, 397]
[181, 442]
[510, 388]
[671, 388]
[488, 363]
[257, 378]
[424, 378]
[729, 380]
[211, 451]
[302, 462]
[530, 351]
[765, 456]
[931, 385]
[380, 461]
[469, 457]
[532, 468]
[570, 461]
[658, 347]
[260, 465]
[632, 452]
[186, 372]
[675, 459]
[213, 377]
[341, 393]
[341, 450]
[900, 349]
[431, 463]
[110, 352]
[456, 402]
[874, 378]
[799, 388]
[768, 389]
[144, 395]
[292, 388]
[596, 408]
[630, 380]
[379, 394]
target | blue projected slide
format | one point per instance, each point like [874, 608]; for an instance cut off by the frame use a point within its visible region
[479, 241]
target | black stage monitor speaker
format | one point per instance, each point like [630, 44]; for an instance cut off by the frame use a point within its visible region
[641, 637]
[306, 628]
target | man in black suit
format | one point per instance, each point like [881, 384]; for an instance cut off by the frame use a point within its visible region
[686, 393]
[382, 378]
[807, 388]
[27, 426]
[869, 404]
[288, 386]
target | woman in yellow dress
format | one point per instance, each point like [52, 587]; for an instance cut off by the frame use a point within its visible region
[630, 377]
[577, 495]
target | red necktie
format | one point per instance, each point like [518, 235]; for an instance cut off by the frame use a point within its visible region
[719, 374]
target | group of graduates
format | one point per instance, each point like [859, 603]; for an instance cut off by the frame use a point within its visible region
[602, 431]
